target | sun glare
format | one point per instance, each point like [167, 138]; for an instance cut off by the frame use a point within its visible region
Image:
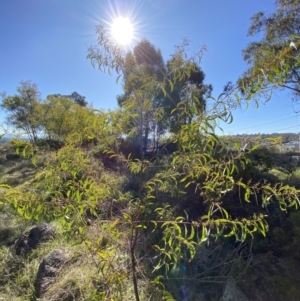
[122, 30]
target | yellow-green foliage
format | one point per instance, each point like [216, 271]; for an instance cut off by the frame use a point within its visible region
[280, 175]
[63, 117]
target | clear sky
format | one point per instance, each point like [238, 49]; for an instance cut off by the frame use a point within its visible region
[46, 41]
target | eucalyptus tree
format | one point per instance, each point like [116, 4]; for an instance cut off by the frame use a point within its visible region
[23, 109]
[188, 91]
[62, 117]
[76, 97]
[145, 68]
[274, 60]
[143, 71]
[145, 92]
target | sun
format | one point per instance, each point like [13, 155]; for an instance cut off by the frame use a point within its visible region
[122, 30]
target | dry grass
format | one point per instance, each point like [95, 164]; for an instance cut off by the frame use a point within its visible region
[18, 273]
[17, 171]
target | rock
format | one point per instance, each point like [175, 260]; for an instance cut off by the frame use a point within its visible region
[39, 233]
[49, 269]
[232, 292]
[10, 157]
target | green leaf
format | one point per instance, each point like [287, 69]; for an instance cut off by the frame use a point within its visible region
[179, 219]
[238, 99]
[167, 296]
[225, 213]
[262, 228]
[6, 186]
[117, 80]
[142, 226]
[192, 235]
[164, 90]
[171, 84]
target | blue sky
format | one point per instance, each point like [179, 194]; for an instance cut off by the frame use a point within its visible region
[46, 42]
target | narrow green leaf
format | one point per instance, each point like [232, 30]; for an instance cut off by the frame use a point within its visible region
[117, 80]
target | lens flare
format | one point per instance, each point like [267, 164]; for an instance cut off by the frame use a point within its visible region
[122, 30]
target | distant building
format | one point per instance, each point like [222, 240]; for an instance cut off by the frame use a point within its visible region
[292, 145]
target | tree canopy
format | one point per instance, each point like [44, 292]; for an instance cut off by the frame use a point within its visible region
[62, 117]
[23, 109]
[54, 118]
[274, 60]
[76, 97]
[144, 70]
